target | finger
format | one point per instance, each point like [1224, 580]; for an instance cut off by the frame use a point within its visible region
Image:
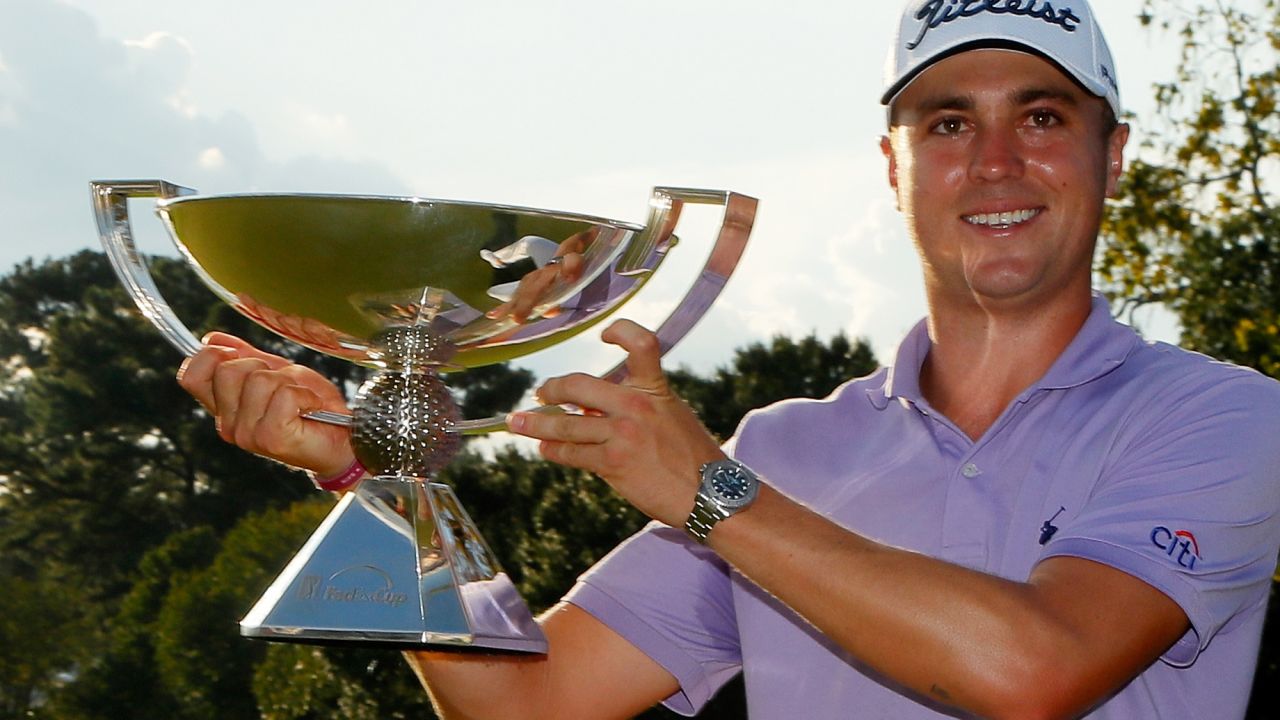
[228, 385]
[244, 349]
[576, 389]
[571, 267]
[581, 429]
[499, 312]
[258, 389]
[596, 396]
[586, 457]
[330, 397]
[318, 334]
[644, 352]
[282, 433]
[195, 374]
[530, 291]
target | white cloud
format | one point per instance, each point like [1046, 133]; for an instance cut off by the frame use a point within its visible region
[77, 106]
[9, 90]
[162, 51]
[212, 158]
[326, 124]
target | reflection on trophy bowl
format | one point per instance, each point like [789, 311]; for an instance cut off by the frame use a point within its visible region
[411, 288]
[333, 272]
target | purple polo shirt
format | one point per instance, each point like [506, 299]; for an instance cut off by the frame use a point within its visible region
[1156, 461]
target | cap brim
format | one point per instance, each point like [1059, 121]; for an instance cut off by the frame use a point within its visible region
[984, 44]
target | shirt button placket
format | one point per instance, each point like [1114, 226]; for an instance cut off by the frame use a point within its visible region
[962, 539]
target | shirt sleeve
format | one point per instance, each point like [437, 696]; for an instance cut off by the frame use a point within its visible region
[672, 599]
[1190, 504]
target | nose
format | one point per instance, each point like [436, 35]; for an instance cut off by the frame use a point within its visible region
[996, 156]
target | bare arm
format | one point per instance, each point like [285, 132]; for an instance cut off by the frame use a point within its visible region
[1053, 646]
[589, 672]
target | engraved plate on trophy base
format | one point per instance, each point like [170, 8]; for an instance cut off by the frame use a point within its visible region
[397, 563]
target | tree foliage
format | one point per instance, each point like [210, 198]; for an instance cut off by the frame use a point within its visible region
[93, 419]
[1197, 227]
[761, 374]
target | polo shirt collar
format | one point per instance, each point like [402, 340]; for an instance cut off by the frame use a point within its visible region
[1101, 345]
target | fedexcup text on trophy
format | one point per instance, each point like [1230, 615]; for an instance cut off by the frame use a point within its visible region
[309, 589]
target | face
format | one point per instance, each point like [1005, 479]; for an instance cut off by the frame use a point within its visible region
[1000, 164]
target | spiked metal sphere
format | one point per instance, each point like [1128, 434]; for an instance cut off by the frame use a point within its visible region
[402, 424]
[402, 415]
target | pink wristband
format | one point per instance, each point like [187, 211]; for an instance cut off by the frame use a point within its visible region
[342, 481]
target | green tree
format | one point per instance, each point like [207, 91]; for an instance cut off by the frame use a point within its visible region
[100, 458]
[93, 419]
[761, 374]
[38, 613]
[1196, 226]
[123, 679]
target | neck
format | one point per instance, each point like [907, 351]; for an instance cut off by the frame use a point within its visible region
[984, 356]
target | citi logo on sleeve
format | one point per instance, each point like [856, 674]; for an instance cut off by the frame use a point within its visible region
[1179, 545]
[935, 13]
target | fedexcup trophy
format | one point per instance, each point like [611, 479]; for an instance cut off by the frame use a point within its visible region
[409, 287]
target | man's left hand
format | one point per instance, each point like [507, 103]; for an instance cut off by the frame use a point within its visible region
[638, 435]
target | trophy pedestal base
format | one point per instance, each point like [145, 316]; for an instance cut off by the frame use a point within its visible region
[397, 563]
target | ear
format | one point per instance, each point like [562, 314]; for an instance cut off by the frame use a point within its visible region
[1115, 157]
[886, 149]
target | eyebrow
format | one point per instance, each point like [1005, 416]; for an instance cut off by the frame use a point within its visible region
[1017, 98]
[1030, 96]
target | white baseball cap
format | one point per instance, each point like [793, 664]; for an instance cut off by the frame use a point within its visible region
[1064, 33]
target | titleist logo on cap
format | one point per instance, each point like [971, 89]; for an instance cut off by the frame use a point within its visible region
[938, 12]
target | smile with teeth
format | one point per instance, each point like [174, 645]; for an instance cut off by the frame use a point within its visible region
[1002, 220]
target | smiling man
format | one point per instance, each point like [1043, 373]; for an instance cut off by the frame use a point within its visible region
[1032, 514]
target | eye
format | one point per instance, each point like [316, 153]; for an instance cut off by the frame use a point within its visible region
[1044, 118]
[949, 126]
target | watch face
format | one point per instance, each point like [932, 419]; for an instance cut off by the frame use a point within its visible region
[732, 485]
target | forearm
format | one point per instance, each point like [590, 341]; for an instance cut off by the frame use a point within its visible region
[474, 686]
[588, 672]
[958, 636]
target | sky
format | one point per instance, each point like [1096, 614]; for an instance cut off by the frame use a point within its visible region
[572, 105]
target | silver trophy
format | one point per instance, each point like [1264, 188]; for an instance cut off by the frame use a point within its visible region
[409, 287]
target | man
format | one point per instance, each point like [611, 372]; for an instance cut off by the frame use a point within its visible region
[1032, 514]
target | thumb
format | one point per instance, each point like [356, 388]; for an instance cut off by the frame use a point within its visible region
[644, 352]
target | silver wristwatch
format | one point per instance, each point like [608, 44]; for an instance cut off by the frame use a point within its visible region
[727, 487]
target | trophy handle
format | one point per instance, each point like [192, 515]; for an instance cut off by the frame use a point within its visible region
[664, 213]
[110, 206]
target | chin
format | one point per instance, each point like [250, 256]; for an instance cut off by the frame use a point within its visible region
[1005, 285]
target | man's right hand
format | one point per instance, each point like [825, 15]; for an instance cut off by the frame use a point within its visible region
[257, 400]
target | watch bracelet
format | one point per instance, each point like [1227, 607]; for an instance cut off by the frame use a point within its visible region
[703, 519]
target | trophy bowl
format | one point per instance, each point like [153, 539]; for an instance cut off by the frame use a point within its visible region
[410, 288]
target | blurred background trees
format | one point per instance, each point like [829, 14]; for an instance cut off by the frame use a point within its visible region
[1196, 227]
